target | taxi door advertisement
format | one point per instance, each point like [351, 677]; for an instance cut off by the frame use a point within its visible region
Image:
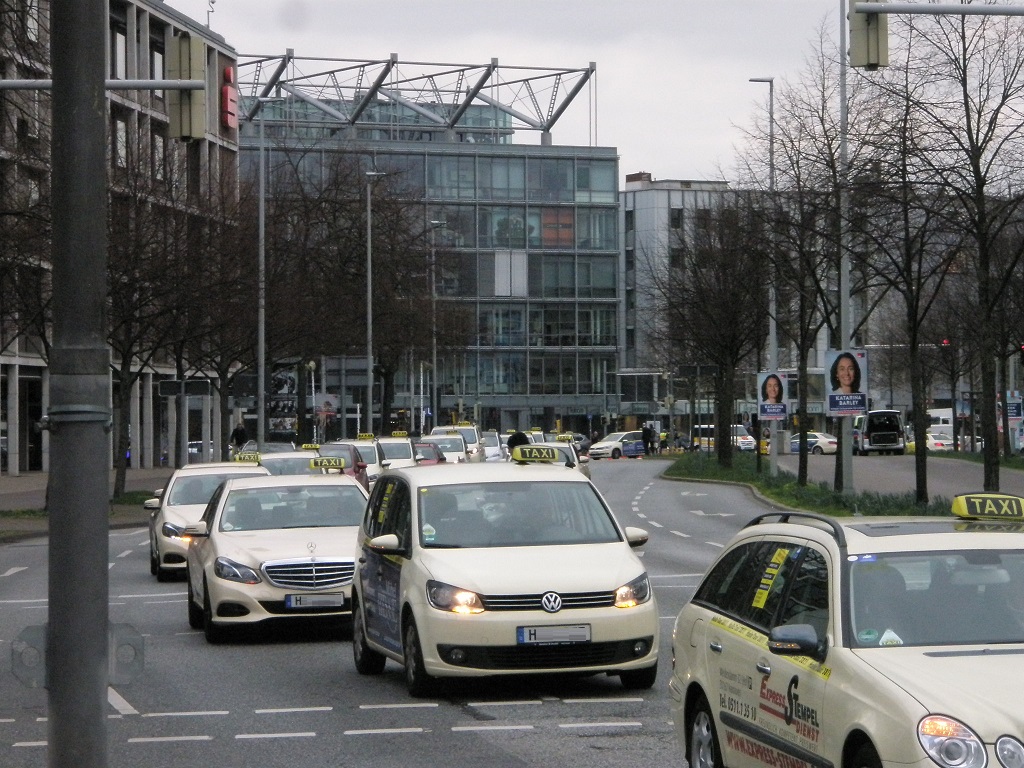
[380, 574]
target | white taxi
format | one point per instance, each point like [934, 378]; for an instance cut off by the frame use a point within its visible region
[398, 450]
[182, 502]
[276, 547]
[566, 445]
[858, 642]
[470, 435]
[500, 569]
[451, 444]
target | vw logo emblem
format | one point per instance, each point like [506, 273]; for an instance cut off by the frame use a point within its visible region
[551, 602]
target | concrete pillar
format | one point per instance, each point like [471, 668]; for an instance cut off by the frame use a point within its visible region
[13, 420]
[172, 433]
[45, 436]
[135, 426]
[150, 442]
[204, 449]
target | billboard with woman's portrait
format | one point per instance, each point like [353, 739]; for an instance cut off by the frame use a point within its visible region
[772, 397]
[847, 373]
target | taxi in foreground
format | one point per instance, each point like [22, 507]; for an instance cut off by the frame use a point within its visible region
[500, 569]
[274, 548]
[858, 642]
[182, 502]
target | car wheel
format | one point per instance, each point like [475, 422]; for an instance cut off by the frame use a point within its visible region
[616, 453]
[639, 679]
[703, 747]
[417, 681]
[154, 561]
[195, 613]
[817, 450]
[214, 634]
[368, 661]
[866, 757]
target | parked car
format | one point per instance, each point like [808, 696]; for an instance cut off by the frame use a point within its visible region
[879, 432]
[618, 444]
[817, 443]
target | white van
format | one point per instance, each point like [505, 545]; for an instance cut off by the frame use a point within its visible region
[879, 432]
[704, 437]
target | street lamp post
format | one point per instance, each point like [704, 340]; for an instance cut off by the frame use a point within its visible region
[371, 176]
[261, 303]
[434, 226]
[773, 337]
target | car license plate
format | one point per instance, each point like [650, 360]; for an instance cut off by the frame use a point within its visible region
[314, 601]
[562, 633]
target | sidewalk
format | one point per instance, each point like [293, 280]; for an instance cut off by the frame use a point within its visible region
[28, 491]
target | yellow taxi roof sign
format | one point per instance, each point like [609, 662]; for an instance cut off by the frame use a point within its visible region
[989, 506]
[364, 436]
[399, 433]
[465, 424]
[311, 446]
[327, 462]
[532, 454]
[252, 457]
[565, 437]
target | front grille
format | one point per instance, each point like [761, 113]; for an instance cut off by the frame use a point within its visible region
[310, 574]
[533, 602]
[564, 656]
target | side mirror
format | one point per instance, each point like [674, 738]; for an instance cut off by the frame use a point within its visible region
[797, 640]
[196, 531]
[387, 544]
[151, 504]
[636, 537]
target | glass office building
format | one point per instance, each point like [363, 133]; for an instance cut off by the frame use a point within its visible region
[533, 229]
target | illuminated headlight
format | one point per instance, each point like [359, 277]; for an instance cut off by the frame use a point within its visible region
[637, 592]
[172, 531]
[1010, 752]
[232, 571]
[950, 743]
[445, 597]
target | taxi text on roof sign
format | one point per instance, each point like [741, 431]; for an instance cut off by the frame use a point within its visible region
[990, 506]
[364, 436]
[327, 462]
[248, 456]
[525, 453]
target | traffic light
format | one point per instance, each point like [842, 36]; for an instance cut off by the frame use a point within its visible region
[869, 40]
[186, 110]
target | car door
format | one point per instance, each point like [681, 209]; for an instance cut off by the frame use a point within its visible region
[767, 706]
[389, 511]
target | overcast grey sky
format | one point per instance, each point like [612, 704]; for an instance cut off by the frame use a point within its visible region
[672, 75]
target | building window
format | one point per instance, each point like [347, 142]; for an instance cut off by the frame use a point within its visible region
[159, 157]
[30, 21]
[156, 69]
[676, 218]
[119, 53]
[119, 137]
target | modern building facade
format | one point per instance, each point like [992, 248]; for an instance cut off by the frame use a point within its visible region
[145, 42]
[534, 227]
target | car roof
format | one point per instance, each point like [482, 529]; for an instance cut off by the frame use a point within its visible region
[878, 535]
[215, 468]
[487, 472]
[290, 481]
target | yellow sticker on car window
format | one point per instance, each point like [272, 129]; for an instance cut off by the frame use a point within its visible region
[771, 571]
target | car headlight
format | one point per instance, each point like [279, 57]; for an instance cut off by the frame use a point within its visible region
[1010, 752]
[950, 743]
[637, 592]
[232, 571]
[172, 531]
[445, 597]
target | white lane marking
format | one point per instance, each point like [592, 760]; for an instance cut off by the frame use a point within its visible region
[680, 533]
[714, 544]
[492, 728]
[601, 725]
[656, 525]
[125, 553]
[117, 702]
[6, 719]
[640, 514]
[188, 714]
[152, 739]
[286, 710]
[375, 731]
[23, 602]
[608, 700]
[302, 735]
[702, 513]
[691, 493]
[12, 571]
[414, 705]
[503, 703]
[29, 744]
[131, 532]
[153, 594]
[163, 602]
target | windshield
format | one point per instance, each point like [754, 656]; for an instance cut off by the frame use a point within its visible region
[514, 514]
[938, 598]
[316, 506]
[614, 437]
[290, 465]
[491, 440]
[402, 450]
[448, 444]
[198, 490]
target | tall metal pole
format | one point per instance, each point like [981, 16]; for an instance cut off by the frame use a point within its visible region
[845, 325]
[261, 312]
[78, 494]
[370, 176]
[434, 224]
[773, 334]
